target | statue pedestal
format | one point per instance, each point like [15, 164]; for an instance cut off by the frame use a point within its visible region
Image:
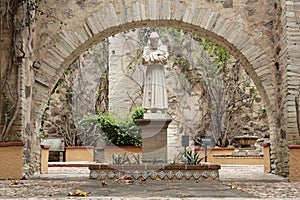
[154, 139]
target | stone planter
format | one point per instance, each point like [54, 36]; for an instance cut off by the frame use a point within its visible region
[246, 140]
[204, 171]
[215, 151]
[11, 159]
[44, 158]
[294, 173]
[121, 150]
[225, 156]
[79, 153]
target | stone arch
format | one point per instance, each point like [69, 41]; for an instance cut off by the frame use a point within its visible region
[69, 43]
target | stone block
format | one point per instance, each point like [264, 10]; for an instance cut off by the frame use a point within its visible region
[153, 9]
[212, 20]
[154, 139]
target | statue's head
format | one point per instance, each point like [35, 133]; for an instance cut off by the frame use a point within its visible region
[154, 40]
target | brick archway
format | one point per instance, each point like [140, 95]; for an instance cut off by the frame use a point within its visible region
[68, 43]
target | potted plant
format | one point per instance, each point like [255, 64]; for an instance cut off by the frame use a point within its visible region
[44, 158]
[294, 161]
[123, 135]
[80, 144]
[11, 158]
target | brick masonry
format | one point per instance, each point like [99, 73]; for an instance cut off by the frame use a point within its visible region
[262, 35]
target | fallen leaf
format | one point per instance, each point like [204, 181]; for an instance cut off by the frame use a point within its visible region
[16, 182]
[126, 178]
[127, 182]
[104, 184]
[233, 186]
[78, 193]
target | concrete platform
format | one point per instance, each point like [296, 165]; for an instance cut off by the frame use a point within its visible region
[78, 178]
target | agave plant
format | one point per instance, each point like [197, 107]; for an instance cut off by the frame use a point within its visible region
[119, 160]
[137, 158]
[192, 158]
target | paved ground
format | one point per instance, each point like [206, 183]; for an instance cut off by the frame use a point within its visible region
[248, 182]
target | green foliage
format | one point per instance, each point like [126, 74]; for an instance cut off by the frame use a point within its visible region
[192, 158]
[90, 123]
[253, 92]
[263, 109]
[121, 132]
[294, 142]
[219, 53]
[138, 113]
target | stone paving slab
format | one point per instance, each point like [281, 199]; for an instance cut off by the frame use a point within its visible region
[151, 198]
[248, 173]
[62, 180]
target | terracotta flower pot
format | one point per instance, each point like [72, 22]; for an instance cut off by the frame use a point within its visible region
[121, 150]
[11, 158]
[44, 158]
[79, 153]
[294, 174]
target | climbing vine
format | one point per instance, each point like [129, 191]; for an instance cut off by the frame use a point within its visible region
[15, 16]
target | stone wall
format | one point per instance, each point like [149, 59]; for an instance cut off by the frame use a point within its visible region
[188, 98]
[17, 43]
[287, 65]
[76, 96]
[250, 29]
[252, 21]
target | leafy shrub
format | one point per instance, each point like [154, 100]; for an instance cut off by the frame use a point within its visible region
[121, 132]
[88, 131]
[138, 113]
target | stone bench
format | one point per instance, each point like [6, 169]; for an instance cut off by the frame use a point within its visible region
[55, 144]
